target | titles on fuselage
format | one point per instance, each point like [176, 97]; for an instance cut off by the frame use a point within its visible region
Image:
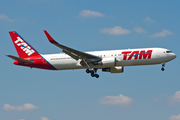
[128, 55]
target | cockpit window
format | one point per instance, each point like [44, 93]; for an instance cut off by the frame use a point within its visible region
[168, 51]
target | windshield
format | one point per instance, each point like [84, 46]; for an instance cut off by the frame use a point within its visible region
[168, 51]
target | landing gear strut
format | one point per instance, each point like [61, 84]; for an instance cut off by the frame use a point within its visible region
[163, 65]
[93, 72]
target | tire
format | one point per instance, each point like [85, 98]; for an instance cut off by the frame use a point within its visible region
[92, 72]
[92, 75]
[96, 75]
[87, 71]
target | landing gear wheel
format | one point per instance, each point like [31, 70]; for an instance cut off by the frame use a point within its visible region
[87, 71]
[92, 72]
[92, 75]
[96, 75]
[163, 65]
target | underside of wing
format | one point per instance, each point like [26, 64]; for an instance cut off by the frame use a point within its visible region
[75, 54]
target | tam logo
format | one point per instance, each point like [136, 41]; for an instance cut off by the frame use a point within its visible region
[128, 55]
[24, 46]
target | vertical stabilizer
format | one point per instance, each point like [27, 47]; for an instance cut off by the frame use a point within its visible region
[23, 49]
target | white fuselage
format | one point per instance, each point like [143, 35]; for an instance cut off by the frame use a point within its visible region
[109, 61]
[126, 57]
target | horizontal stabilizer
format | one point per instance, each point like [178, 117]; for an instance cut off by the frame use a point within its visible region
[19, 59]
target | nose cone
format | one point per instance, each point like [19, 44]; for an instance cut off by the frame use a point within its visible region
[173, 56]
[170, 56]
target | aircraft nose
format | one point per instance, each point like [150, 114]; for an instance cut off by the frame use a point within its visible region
[174, 56]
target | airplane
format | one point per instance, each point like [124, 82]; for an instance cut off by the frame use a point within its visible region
[112, 61]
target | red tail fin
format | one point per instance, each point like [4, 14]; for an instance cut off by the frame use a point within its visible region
[23, 49]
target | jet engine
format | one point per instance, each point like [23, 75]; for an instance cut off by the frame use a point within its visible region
[118, 69]
[109, 62]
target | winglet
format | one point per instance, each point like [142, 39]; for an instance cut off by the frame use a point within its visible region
[49, 37]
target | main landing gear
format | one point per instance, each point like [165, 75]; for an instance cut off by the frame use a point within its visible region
[163, 65]
[93, 72]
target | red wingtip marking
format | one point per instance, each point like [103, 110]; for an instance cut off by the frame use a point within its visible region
[49, 37]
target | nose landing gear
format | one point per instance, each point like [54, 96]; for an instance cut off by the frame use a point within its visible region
[93, 72]
[163, 65]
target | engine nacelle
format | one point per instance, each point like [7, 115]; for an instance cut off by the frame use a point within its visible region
[118, 69]
[109, 62]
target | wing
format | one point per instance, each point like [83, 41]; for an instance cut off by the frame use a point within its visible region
[75, 54]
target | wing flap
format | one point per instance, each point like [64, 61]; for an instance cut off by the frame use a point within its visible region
[75, 54]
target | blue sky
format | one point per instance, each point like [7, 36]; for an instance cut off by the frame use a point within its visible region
[140, 93]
